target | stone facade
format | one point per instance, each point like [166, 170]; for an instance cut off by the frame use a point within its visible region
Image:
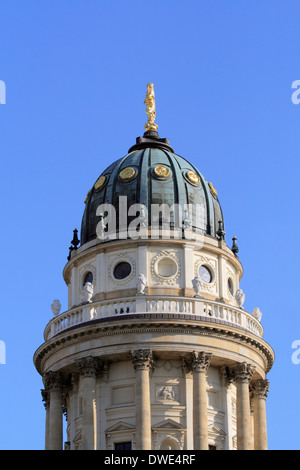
[161, 370]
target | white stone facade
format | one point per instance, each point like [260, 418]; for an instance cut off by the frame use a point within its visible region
[161, 369]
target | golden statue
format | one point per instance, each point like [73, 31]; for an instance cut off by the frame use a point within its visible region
[150, 108]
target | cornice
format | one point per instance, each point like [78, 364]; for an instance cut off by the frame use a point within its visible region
[157, 323]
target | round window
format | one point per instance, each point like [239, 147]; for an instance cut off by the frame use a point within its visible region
[205, 274]
[122, 270]
[88, 278]
[166, 267]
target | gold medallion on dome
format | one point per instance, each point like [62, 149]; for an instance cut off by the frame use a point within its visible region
[127, 173]
[87, 196]
[193, 177]
[212, 190]
[161, 171]
[99, 183]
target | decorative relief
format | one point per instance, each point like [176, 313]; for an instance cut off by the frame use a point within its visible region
[170, 280]
[212, 263]
[166, 393]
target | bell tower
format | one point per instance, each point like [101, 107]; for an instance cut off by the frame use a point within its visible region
[155, 349]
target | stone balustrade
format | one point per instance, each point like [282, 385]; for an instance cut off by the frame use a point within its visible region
[177, 307]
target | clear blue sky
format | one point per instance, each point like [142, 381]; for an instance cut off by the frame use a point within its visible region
[76, 75]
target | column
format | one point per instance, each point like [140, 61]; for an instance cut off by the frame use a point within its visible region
[142, 362]
[226, 381]
[54, 435]
[243, 373]
[260, 391]
[188, 374]
[200, 364]
[87, 367]
[45, 398]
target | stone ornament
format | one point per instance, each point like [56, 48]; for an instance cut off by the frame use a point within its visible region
[240, 297]
[53, 381]
[200, 361]
[55, 307]
[197, 286]
[244, 372]
[257, 314]
[142, 359]
[141, 284]
[260, 388]
[87, 366]
[88, 290]
[166, 392]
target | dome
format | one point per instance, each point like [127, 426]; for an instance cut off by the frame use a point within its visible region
[152, 175]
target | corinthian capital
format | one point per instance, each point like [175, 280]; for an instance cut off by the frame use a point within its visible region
[142, 359]
[87, 366]
[200, 361]
[53, 381]
[260, 388]
[244, 372]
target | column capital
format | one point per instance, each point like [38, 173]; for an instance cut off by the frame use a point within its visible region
[260, 388]
[87, 366]
[45, 398]
[200, 361]
[244, 372]
[142, 359]
[53, 381]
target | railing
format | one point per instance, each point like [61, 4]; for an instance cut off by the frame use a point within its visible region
[202, 310]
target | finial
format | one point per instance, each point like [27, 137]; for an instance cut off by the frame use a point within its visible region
[75, 242]
[220, 232]
[234, 248]
[150, 109]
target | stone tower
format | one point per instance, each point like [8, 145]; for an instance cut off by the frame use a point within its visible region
[155, 350]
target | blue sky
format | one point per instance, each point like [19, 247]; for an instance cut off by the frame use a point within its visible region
[76, 75]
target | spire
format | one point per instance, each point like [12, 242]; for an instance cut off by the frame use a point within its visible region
[150, 108]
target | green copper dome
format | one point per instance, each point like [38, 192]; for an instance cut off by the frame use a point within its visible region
[152, 174]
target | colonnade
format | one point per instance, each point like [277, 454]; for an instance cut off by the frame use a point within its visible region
[249, 436]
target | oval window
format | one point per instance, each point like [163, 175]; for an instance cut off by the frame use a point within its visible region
[230, 286]
[122, 270]
[205, 274]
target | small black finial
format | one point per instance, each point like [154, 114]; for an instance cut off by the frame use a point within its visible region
[234, 248]
[75, 242]
[71, 248]
[220, 232]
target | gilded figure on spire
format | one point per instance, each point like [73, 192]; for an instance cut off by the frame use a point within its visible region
[150, 108]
